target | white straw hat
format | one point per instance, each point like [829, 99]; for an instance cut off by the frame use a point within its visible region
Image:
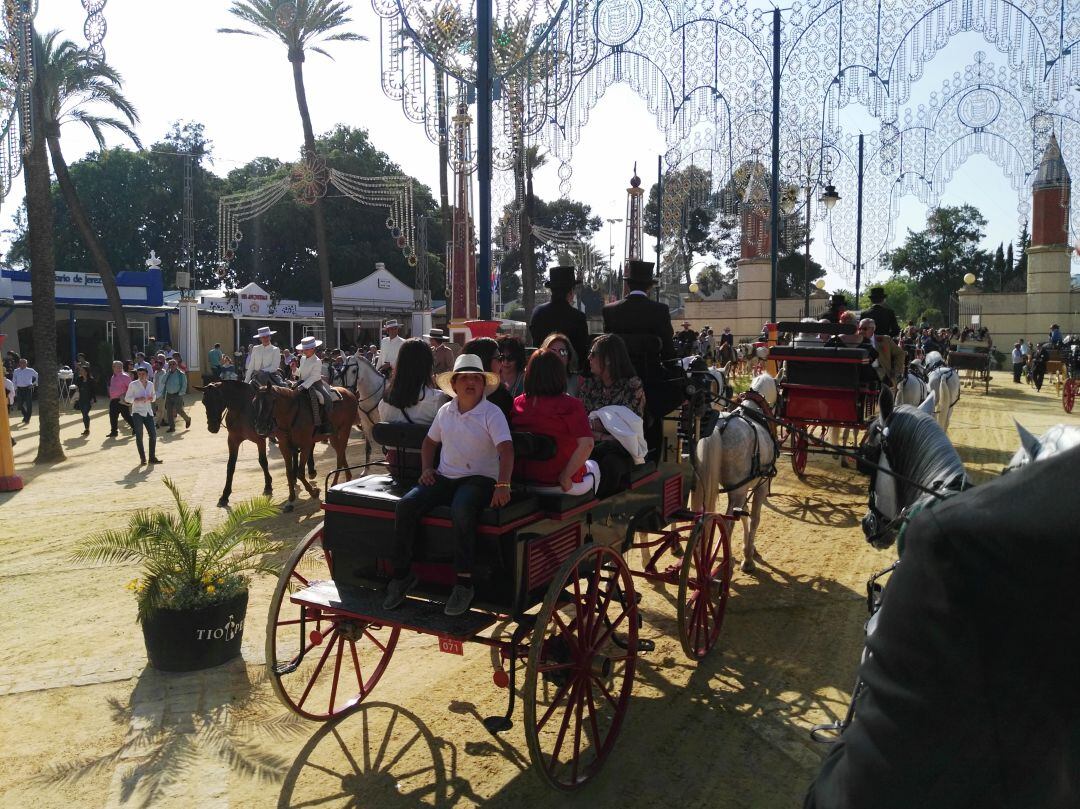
[467, 364]
[264, 331]
[308, 342]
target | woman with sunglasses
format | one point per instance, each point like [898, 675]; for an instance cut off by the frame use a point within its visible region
[613, 382]
[560, 345]
[512, 354]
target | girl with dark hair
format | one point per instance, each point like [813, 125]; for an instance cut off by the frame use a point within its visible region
[512, 354]
[546, 409]
[84, 381]
[613, 382]
[487, 349]
[412, 395]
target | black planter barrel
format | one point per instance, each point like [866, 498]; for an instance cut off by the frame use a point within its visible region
[186, 640]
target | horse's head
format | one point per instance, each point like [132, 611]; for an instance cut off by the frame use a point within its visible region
[878, 458]
[263, 409]
[1057, 439]
[934, 360]
[765, 385]
[214, 401]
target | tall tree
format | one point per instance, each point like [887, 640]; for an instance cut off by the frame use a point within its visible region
[938, 257]
[1020, 269]
[688, 190]
[999, 269]
[305, 26]
[74, 85]
[42, 280]
[531, 161]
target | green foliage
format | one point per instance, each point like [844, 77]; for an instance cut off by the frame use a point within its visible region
[135, 201]
[565, 215]
[792, 277]
[184, 566]
[1017, 280]
[938, 257]
[314, 24]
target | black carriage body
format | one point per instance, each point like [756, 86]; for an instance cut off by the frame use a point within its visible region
[519, 547]
[826, 385]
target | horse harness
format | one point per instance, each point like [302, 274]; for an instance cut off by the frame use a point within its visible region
[751, 418]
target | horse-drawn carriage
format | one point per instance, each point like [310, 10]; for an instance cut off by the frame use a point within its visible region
[975, 360]
[554, 592]
[822, 385]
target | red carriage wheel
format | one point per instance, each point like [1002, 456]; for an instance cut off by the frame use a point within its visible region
[1068, 395]
[320, 665]
[581, 667]
[704, 582]
[799, 451]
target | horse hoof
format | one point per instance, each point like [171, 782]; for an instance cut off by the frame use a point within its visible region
[268, 492]
[315, 494]
[223, 502]
[287, 508]
[748, 566]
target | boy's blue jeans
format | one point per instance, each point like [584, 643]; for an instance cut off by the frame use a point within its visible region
[467, 497]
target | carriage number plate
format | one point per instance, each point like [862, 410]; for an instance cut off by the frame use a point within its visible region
[451, 646]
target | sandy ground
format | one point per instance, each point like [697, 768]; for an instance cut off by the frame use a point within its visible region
[87, 724]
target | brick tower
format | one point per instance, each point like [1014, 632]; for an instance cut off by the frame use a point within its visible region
[1048, 256]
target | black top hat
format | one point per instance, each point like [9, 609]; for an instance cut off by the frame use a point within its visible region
[561, 277]
[877, 294]
[838, 299]
[639, 271]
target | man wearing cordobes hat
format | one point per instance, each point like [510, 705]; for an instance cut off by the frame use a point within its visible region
[638, 314]
[882, 315]
[560, 315]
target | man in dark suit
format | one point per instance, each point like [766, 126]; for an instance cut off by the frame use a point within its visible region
[970, 695]
[638, 314]
[560, 315]
[882, 315]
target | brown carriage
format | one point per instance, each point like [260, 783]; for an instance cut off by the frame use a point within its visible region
[554, 592]
[822, 385]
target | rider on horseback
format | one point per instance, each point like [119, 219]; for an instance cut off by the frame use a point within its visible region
[309, 378]
[264, 360]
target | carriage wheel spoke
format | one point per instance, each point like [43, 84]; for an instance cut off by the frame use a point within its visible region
[566, 631]
[315, 675]
[356, 666]
[578, 706]
[337, 672]
[604, 691]
[607, 632]
[554, 704]
[374, 640]
[565, 724]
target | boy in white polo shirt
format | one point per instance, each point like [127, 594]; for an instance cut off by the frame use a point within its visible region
[474, 473]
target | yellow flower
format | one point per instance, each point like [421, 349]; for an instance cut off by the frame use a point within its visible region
[132, 585]
[210, 588]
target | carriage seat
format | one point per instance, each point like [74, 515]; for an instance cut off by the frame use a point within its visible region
[817, 352]
[405, 436]
[825, 366]
[382, 492]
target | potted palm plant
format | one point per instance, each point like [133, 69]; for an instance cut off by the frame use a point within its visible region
[193, 590]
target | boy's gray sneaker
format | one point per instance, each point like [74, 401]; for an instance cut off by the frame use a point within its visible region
[397, 589]
[460, 599]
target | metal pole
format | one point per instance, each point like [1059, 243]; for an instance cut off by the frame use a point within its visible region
[659, 216]
[858, 227]
[483, 153]
[806, 259]
[774, 215]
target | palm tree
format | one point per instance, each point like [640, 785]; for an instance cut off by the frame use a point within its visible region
[73, 80]
[299, 26]
[39, 220]
[533, 160]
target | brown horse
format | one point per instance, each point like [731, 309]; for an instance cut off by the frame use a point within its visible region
[287, 413]
[231, 402]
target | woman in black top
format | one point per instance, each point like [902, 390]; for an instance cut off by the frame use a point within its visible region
[85, 383]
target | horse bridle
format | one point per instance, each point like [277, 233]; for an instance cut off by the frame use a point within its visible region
[360, 402]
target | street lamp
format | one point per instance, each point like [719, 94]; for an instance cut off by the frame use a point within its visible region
[830, 197]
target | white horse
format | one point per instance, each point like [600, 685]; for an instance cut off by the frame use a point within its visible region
[944, 384]
[1059, 438]
[370, 388]
[738, 456]
[910, 388]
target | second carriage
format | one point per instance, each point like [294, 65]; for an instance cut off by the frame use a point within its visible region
[823, 384]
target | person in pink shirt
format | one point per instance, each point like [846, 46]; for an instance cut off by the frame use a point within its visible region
[118, 386]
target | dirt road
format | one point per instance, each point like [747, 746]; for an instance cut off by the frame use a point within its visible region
[87, 724]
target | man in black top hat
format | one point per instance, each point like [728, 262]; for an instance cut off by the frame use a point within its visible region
[560, 315]
[882, 315]
[637, 313]
[837, 306]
